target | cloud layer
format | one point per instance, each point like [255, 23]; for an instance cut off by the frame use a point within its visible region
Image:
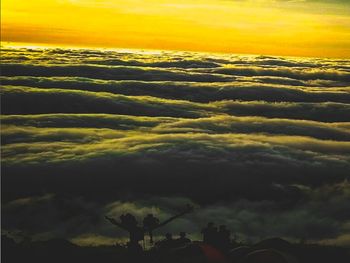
[259, 143]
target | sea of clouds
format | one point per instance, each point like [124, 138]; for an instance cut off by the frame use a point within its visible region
[259, 143]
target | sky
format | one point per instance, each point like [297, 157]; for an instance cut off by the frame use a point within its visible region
[260, 143]
[318, 28]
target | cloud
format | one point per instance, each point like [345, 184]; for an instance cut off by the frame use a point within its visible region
[225, 124]
[252, 88]
[21, 100]
[58, 160]
[299, 74]
[261, 144]
[167, 125]
[326, 112]
[314, 217]
[109, 72]
[27, 100]
[112, 121]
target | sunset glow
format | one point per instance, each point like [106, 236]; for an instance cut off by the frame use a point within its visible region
[298, 28]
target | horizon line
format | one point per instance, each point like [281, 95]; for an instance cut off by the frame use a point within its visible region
[42, 45]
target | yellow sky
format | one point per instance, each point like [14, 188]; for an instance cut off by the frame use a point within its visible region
[271, 27]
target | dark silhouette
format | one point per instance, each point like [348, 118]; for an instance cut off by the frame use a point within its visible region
[136, 233]
[182, 240]
[196, 252]
[167, 243]
[149, 224]
[210, 234]
[223, 238]
[268, 255]
[128, 222]
[60, 250]
[238, 253]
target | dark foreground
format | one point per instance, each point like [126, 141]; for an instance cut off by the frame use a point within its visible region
[268, 251]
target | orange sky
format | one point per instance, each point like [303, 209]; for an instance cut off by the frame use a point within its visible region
[301, 28]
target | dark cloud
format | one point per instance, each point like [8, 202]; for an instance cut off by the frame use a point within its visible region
[225, 124]
[314, 217]
[112, 121]
[299, 74]
[162, 125]
[245, 89]
[25, 100]
[109, 72]
[22, 100]
[59, 160]
[326, 111]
